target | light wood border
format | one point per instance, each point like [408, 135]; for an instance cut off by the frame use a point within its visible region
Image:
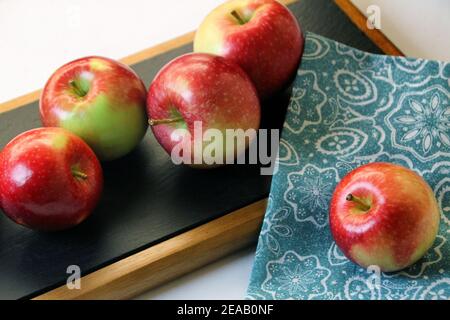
[193, 249]
[169, 259]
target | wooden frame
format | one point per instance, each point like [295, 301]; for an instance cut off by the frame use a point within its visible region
[193, 249]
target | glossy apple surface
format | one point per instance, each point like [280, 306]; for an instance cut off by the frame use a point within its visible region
[206, 89]
[262, 36]
[49, 179]
[100, 100]
[385, 215]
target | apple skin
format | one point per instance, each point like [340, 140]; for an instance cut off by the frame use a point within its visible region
[401, 224]
[109, 114]
[50, 179]
[202, 88]
[268, 46]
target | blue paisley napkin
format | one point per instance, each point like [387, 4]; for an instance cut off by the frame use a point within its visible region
[349, 108]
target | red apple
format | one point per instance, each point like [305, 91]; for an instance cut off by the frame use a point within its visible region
[262, 36]
[206, 90]
[100, 100]
[385, 215]
[49, 179]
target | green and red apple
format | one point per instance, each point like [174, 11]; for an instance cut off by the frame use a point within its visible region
[384, 215]
[50, 179]
[205, 90]
[100, 100]
[262, 36]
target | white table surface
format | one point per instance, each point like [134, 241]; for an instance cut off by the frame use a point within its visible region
[36, 37]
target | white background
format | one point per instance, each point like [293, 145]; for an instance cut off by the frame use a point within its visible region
[36, 37]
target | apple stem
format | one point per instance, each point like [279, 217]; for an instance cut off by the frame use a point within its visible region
[155, 122]
[236, 15]
[78, 90]
[364, 206]
[79, 174]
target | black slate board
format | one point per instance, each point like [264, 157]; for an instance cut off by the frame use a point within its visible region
[146, 198]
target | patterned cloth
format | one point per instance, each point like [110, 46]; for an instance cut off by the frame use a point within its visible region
[350, 108]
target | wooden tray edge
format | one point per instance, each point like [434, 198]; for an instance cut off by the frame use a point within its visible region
[169, 259]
